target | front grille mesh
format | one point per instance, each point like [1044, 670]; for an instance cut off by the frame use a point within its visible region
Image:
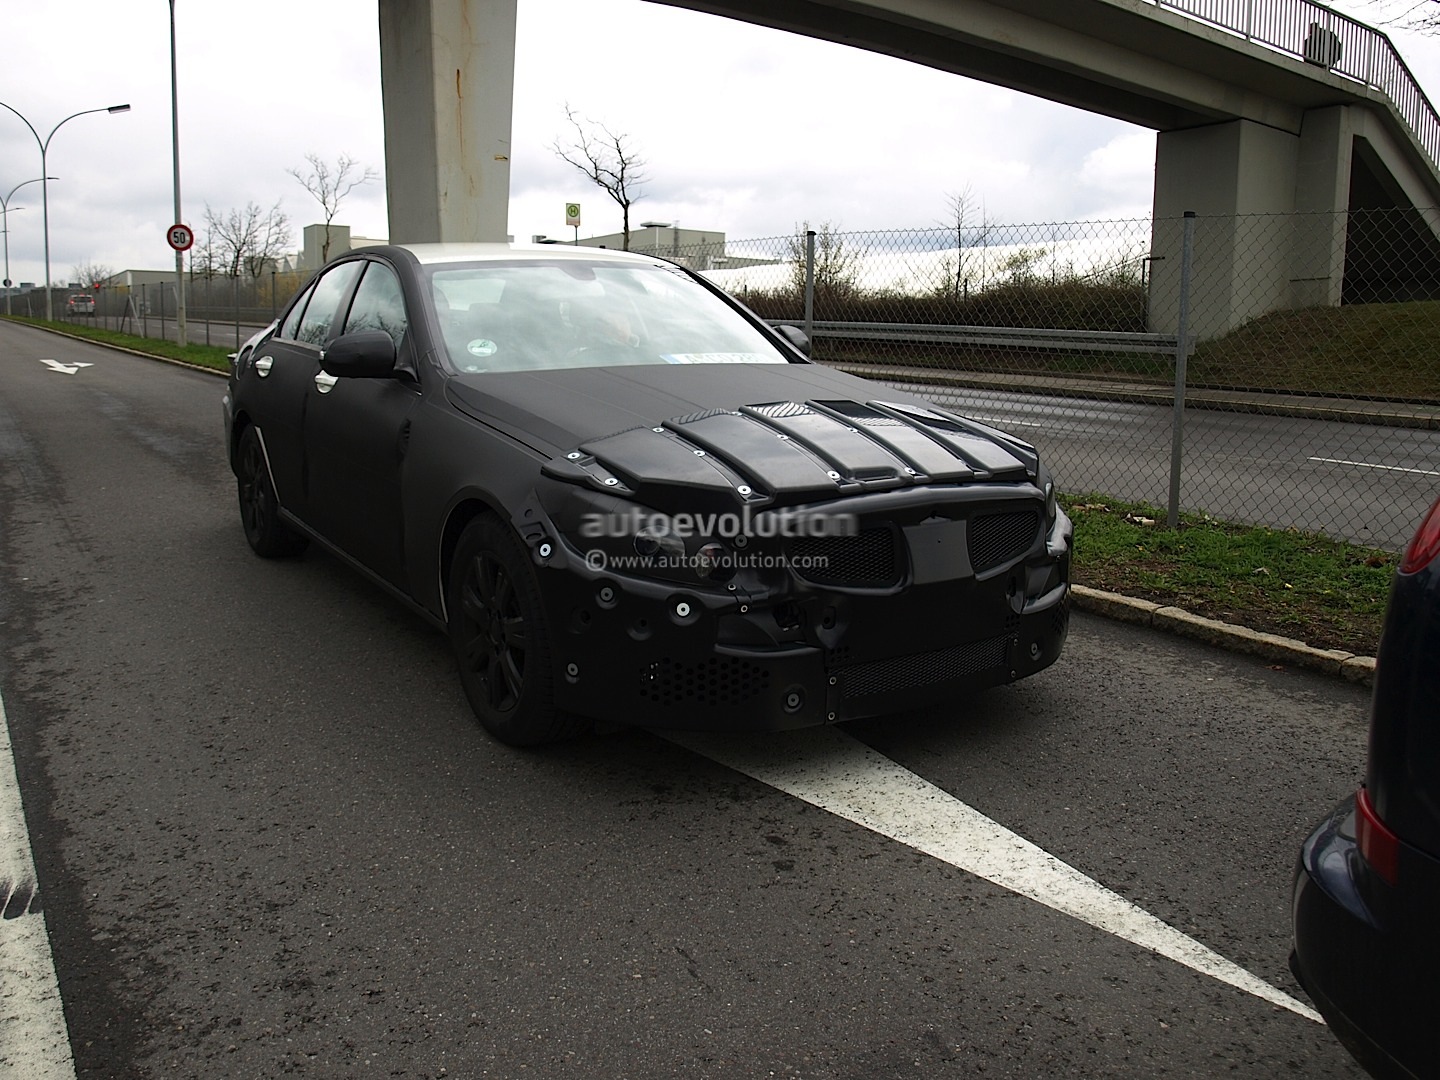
[719, 681]
[866, 560]
[995, 539]
[924, 669]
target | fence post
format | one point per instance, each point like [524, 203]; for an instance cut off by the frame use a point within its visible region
[145, 310]
[810, 285]
[1182, 350]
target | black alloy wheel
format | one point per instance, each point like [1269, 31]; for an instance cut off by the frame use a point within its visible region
[259, 509]
[501, 641]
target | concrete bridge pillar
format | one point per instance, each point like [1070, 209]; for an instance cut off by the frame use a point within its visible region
[447, 71]
[1271, 218]
[1340, 212]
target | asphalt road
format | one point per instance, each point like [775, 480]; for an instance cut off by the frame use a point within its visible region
[271, 840]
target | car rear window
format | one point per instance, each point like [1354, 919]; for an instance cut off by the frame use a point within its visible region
[536, 315]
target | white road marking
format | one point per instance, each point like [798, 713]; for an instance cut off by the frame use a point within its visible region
[1369, 465]
[64, 369]
[34, 1042]
[1003, 422]
[831, 770]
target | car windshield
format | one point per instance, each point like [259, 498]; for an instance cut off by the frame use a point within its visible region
[520, 316]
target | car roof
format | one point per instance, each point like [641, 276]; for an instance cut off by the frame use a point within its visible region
[430, 254]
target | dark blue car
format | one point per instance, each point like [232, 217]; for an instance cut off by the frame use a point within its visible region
[1367, 887]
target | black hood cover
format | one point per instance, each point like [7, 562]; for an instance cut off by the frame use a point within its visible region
[761, 434]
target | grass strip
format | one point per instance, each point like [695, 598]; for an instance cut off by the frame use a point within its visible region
[1329, 594]
[207, 356]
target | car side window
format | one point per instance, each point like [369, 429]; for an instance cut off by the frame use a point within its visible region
[379, 304]
[292, 320]
[324, 303]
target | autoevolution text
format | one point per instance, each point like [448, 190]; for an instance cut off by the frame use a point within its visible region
[783, 523]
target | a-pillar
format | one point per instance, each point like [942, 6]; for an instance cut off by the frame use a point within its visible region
[447, 70]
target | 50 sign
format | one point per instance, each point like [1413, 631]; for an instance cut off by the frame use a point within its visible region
[179, 237]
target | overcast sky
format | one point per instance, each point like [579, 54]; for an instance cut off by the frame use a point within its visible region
[745, 130]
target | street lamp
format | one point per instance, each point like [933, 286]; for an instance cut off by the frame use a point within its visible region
[5, 209]
[44, 145]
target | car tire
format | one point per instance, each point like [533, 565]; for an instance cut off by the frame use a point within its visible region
[501, 640]
[269, 537]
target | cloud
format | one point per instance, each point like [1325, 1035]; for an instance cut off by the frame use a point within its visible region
[746, 130]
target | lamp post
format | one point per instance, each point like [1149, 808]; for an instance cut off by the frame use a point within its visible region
[5, 209]
[44, 145]
[175, 149]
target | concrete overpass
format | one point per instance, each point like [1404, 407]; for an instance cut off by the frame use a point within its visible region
[1300, 111]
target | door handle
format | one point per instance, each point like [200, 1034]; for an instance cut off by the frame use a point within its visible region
[263, 365]
[325, 382]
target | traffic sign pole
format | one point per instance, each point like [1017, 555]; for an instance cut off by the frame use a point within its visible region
[180, 238]
[175, 157]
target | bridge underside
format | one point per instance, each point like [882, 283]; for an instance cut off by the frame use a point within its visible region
[1290, 221]
[1243, 131]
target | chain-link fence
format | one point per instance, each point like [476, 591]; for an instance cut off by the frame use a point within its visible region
[220, 311]
[1308, 389]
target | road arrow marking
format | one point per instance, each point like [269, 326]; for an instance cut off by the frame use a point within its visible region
[68, 369]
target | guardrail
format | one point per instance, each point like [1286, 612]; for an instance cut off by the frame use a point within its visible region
[1326, 38]
[1016, 337]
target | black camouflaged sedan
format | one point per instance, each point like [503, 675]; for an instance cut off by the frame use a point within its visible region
[624, 497]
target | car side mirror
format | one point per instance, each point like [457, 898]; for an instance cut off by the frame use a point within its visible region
[795, 336]
[368, 354]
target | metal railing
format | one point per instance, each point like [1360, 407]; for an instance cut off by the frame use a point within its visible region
[1323, 36]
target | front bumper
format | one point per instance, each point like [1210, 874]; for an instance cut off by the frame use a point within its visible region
[650, 653]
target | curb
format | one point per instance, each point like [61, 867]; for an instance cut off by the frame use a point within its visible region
[1347, 665]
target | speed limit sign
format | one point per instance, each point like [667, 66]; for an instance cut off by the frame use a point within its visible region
[180, 237]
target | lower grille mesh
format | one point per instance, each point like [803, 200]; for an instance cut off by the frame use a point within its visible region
[924, 669]
[998, 538]
[717, 681]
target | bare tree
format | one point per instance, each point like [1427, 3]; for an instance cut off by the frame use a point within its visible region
[272, 240]
[329, 185]
[244, 239]
[1423, 15]
[205, 259]
[608, 159]
[837, 265]
[955, 272]
[91, 273]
